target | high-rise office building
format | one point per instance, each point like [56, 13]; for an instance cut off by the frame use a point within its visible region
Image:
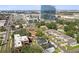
[48, 12]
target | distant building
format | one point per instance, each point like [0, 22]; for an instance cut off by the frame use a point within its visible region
[67, 15]
[48, 12]
[33, 18]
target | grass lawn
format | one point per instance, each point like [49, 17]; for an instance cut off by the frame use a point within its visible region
[32, 48]
[77, 46]
[57, 50]
[72, 48]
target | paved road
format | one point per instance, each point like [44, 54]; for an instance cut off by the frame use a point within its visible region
[6, 48]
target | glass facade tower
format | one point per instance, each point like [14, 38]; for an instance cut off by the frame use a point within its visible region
[48, 12]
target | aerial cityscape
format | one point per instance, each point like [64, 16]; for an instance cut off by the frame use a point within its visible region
[39, 29]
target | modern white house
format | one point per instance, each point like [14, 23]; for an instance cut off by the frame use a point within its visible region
[19, 39]
[2, 22]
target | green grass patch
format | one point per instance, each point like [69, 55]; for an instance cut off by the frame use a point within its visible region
[57, 50]
[72, 48]
[32, 48]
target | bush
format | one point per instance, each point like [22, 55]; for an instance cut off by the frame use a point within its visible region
[2, 29]
[22, 32]
[51, 25]
[39, 33]
[40, 24]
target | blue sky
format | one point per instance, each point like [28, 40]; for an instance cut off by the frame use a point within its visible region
[67, 7]
[37, 7]
[19, 7]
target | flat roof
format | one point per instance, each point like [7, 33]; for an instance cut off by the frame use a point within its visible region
[61, 35]
[2, 22]
[41, 40]
[18, 40]
[49, 50]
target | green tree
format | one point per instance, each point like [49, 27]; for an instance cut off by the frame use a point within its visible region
[39, 33]
[38, 24]
[20, 26]
[13, 27]
[70, 27]
[31, 49]
[2, 29]
[51, 25]
[45, 36]
[60, 21]
[22, 32]
[70, 33]
[77, 38]
[28, 33]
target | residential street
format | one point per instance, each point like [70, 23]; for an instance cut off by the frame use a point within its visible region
[6, 46]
